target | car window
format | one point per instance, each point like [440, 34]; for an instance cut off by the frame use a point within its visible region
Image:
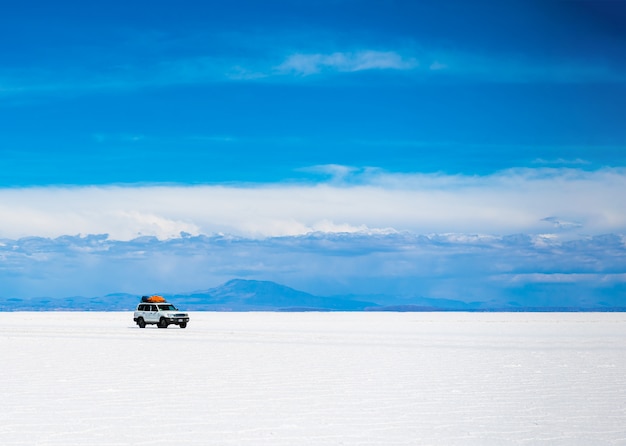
[167, 307]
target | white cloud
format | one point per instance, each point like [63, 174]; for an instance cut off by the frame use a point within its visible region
[307, 64]
[514, 201]
[561, 162]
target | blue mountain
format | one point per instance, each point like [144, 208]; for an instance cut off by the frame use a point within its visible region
[255, 295]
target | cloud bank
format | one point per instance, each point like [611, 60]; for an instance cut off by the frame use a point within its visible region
[530, 201]
[535, 236]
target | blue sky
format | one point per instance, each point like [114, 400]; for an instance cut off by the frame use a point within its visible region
[270, 122]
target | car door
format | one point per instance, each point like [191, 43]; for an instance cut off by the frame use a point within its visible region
[153, 313]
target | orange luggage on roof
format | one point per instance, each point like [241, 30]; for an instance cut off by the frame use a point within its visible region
[153, 299]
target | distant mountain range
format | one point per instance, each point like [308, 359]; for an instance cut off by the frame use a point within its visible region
[254, 295]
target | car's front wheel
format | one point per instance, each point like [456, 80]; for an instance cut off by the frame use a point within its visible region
[183, 324]
[141, 323]
[163, 323]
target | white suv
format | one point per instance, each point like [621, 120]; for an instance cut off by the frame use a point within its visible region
[162, 314]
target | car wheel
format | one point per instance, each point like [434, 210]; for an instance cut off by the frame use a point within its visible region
[183, 324]
[141, 323]
[163, 323]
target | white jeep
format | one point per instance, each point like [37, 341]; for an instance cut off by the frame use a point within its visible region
[160, 313]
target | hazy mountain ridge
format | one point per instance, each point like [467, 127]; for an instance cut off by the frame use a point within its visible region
[254, 295]
[250, 295]
[532, 270]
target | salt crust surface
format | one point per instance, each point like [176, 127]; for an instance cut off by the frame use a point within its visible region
[314, 379]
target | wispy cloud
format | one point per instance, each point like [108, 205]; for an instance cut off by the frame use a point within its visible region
[259, 65]
[196, 70]
[307, 64]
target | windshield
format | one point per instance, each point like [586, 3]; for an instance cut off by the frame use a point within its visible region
[167, 307]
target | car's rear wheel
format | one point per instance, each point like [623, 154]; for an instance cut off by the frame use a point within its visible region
[141, 323]
[183, 324]
[163, 323]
